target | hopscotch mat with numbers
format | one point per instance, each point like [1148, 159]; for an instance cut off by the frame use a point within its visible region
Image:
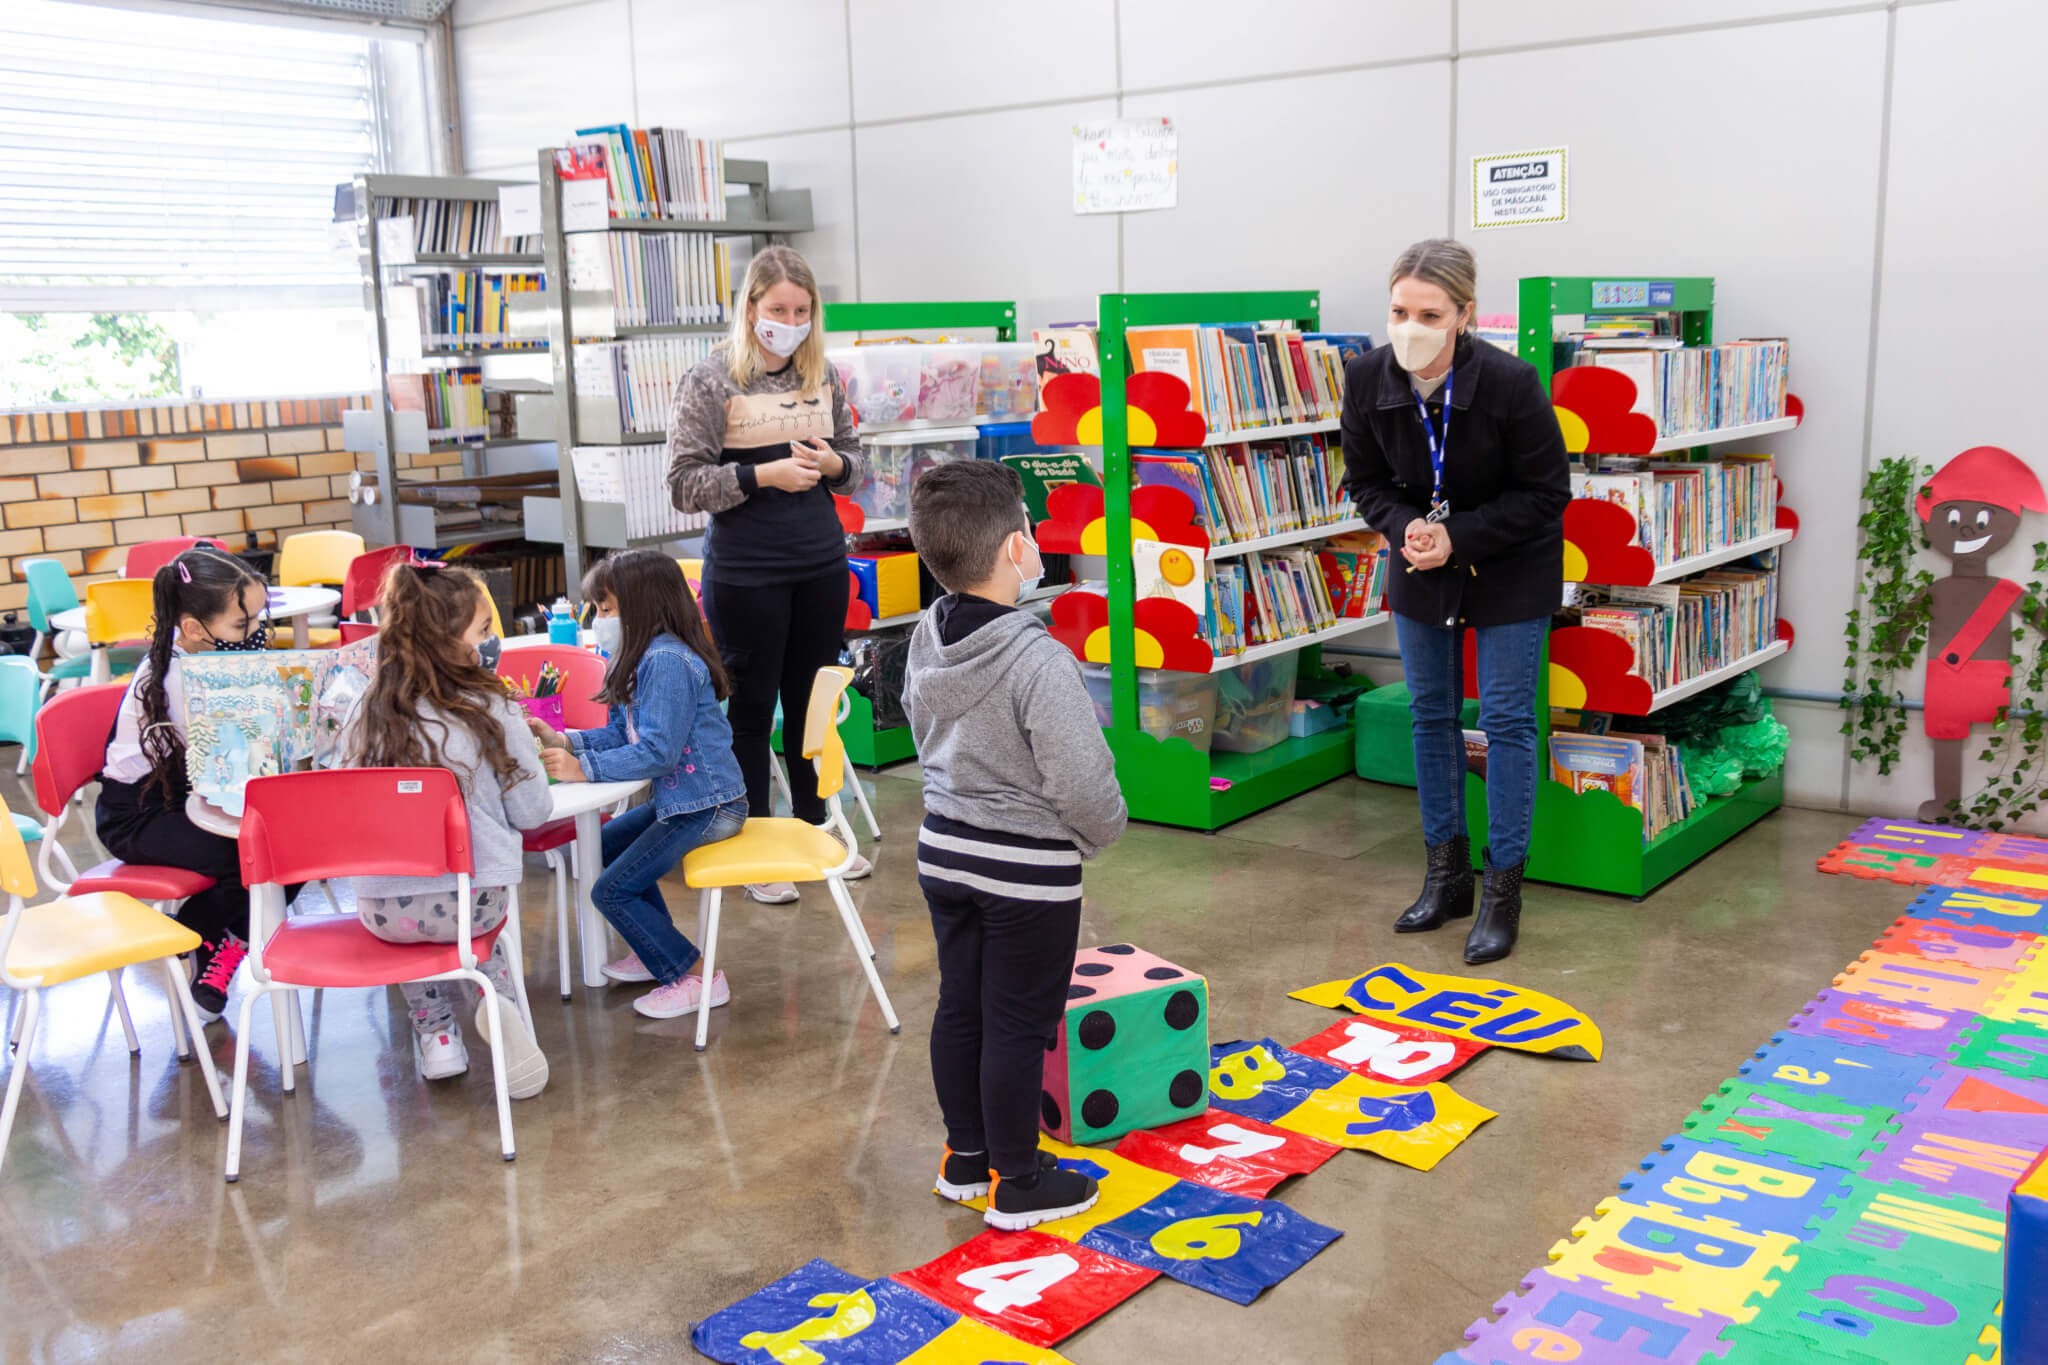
[1188, 1199]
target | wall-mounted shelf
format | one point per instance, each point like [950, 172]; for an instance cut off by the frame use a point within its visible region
[1349, 626]
[1283, 538]
[1722, 435]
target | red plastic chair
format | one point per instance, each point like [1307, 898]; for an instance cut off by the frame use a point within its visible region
[364, 583]
[145, 559]
[352, 631]
[350, 822]
[582, 675]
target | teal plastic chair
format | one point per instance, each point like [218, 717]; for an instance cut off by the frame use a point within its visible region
[21, 694]
[50, 591]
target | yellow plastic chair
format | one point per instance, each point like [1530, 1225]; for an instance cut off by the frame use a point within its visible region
[118, 610]
[315, 559]
[790, 850]
[47, 945]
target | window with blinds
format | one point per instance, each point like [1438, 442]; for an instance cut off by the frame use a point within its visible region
[158, 160]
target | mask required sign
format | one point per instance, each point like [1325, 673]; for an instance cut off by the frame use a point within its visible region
[1519, 188]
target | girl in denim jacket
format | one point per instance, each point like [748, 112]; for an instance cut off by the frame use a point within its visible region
[663, 685]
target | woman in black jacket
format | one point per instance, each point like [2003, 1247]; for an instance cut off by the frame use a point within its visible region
[1452, 452]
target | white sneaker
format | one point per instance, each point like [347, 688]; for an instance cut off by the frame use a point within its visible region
[680, 997]
[526, 1066]
[858, 868]
[627, 969]
[439, 1054]
[772, 893]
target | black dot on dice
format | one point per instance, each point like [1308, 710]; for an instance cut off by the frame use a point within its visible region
[1182, 1009]
[1079, 992]
[1099, 1109]
[1093, 969]
[1163, 973]
[1049, 1108]
[1120, 949]
[1096, 1029]
[1185, 1090]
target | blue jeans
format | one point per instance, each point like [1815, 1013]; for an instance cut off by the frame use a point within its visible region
[1432, 657]
[639, 851]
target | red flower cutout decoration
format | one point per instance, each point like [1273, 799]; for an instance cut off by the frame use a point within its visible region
[851, 515]
[1589, 670]
[1599, 544]
[1600, 399]
[1075, 525]
[1156, 412]
[1165, 633]
[858, 617]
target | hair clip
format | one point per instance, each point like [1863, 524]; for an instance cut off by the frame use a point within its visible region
[430, 565]
[184, 572]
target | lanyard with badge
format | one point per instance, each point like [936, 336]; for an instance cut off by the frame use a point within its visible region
[1439, 506]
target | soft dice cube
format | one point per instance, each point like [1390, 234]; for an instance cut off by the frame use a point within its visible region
[1133, 1050]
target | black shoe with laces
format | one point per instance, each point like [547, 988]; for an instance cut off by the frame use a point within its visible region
[965, 1177]
[1025, 1201]
[215, 965]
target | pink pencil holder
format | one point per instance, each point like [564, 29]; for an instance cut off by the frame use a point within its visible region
[548, 709]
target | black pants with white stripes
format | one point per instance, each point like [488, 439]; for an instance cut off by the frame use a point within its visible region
[1006, 911]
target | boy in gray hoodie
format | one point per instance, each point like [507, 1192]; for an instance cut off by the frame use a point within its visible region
[1019, 789]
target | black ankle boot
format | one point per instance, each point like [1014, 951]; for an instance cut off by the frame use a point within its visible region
[1447, 891]
[1500, 915]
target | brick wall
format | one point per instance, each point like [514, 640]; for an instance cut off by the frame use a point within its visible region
[80, 487]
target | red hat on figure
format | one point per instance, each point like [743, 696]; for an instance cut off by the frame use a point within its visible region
[1984, 474]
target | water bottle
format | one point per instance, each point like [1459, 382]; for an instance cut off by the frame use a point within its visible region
[561, 624]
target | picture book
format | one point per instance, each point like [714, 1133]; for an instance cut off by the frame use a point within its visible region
[254, 715]
[1174, 571]
[1041, 473]
[1067, 349]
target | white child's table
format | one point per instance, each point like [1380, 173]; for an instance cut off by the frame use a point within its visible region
[292, 604]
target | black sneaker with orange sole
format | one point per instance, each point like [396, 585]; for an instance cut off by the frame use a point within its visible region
[962, 1178]
[1026, 1201]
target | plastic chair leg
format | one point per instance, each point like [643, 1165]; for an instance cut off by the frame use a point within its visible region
[703, 916]
[238, 1098]
[280, 1012]
[860, 795]
[185, 1016]
[858, 934]
[561, 867]
[29, 1006]
[708, 967]
[516, 952]
[121, 1009]
[492, 1003]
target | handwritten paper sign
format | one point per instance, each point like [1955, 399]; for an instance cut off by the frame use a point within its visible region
[1126, 165]
[1518, 188]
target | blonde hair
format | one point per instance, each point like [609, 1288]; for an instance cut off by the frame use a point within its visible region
[771, 266]
[1442, 262]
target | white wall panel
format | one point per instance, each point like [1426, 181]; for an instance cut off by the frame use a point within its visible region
[1775, 196]
[941, 218]
[913, 57]
[1183, 42]
[467, 12]
[1501, 23]
[710, 67]
[823, 164]
[1813, 758]
[530, 82]
[1258, 211]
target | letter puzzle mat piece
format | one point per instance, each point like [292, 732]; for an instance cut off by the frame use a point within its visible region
[1582, 1322]
[1766, 1117]
[1914, 981]
[1415, 1127]
[1908, 867]
[1910, 1030]
[1906, 1228]
[1967, 1155]
[1913, 837]
[2023, 999]
[1985, 1092]
[1399, 1054]
[1226, 1152]
[1848, 1306]
[1484, 1011]
[1981, 946]
[1756, 1191]
[820, 1315]
[1850, 1072]
[1133, 1050]
[1695, 1265]
[1120, 1187]
[1226, 1244]
[1263, 1080]
[1036, 1288]
[1974, 905]
[2018, 1050]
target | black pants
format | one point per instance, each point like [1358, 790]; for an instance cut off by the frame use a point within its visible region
[774, 640]
[1004, 964]
[137, 825]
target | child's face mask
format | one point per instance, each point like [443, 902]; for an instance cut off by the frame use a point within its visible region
[257, 639]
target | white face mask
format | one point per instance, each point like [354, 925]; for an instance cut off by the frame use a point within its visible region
[1417, 344]
[610, 632]
[780, 338]
[1028, 582]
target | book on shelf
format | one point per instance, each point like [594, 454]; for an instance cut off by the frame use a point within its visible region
[1066, 348]
[1246, 376]
[1694, 626]
[1687, 509]
[1271, 596]
[661, 172]
[637, 478]
[1640, 770]
[641, 373]
[452, 399]
[458, 307]
[655, 279]
[1688, 389]
[1257, 488]
[450, 227]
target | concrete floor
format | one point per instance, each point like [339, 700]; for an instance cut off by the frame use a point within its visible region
[375, 1221]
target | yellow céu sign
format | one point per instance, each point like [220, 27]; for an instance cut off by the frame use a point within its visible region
[1491, 1012]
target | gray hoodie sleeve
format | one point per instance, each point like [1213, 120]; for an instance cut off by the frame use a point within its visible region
[845, 437]
[1072, 756]
[697, 482]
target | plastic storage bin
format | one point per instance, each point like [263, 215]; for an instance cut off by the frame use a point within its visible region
[882, 382]
[1006, 388]
[948, 382]
[896, 458]
[1254, 703]
[1169, 704]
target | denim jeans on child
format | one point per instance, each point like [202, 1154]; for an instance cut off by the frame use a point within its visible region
[1432, 657]
[639, 851]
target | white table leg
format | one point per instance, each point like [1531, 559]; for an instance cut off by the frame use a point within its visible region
[102, 664]
[590, 924]
[302, 635]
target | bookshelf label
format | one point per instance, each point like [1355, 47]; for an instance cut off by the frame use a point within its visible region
[1514, 189]
[1619, 294]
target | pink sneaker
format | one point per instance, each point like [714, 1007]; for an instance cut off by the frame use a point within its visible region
[681, 997]
[627, 969]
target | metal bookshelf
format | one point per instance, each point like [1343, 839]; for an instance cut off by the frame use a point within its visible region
[387, 521]
[763, 215]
